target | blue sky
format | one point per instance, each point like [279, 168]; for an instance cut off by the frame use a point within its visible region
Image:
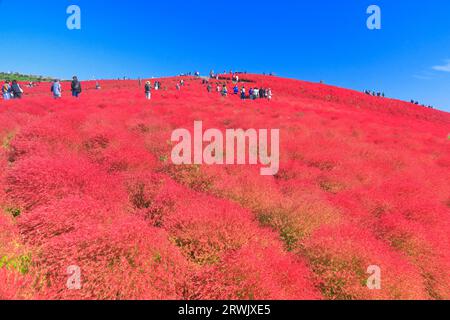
[409, 58]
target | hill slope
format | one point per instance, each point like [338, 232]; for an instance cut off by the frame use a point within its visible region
[363, 181]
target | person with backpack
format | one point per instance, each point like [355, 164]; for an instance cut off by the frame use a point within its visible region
[75, 87]
[148, 90]
[56, 89]
[16, 90]
[236, 89]
[6, 90]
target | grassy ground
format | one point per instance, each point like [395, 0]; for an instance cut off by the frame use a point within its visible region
[21, 77]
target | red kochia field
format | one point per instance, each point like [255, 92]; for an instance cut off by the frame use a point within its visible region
[363, 181]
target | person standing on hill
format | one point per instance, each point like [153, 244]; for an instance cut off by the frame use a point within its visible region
[209, 88]
[56, 89]
[269, 94]
[75, 87]
[6, 90]
[224, 90]
[255, 93]
[148, 90]
[16, 90]
[262, 93]
[243, 93]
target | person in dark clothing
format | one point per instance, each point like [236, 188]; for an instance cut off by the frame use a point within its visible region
[243, 97]
[16, 90]
[148, 90]
[75, 87]
[262, 93]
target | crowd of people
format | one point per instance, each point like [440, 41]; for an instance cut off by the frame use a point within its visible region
[13, 90]
[253, 93]
[417, 103]
[381, 94]
[222, 89]
[157, 86]
[75, 88]
[374, 94]
[188, 74]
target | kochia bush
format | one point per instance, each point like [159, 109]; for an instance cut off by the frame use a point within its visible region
[88, 182]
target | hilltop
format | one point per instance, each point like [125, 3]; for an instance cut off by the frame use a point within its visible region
[363, 182]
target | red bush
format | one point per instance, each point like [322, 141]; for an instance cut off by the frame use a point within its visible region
[257, 273]
[363, 181]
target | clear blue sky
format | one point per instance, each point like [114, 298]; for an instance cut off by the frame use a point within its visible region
[310, 40]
